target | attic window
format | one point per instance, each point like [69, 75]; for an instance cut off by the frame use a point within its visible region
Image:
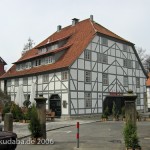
[104, 41]
[125, 47]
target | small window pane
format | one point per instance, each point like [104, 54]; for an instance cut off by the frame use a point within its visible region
[137, 66]
[125, 63]
[138, 100]
[138, 82]
[124, 47]
[16, 82]
[8, 82]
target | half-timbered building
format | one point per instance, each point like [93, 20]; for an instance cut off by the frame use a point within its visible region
[80, 69]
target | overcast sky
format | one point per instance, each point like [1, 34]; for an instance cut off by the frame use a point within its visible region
[21, 19]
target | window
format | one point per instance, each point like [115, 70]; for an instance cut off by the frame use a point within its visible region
[102, 58]
[125, 63]
[25, 81]
[8, 82]
[16, 82]
[125, 81]
[130, 64]
[87, 76]
[137, 66]
[88, 100]
[50, 59]
[138, 100]
[125, 47]
[64, 75]
[105, 79]
[45, 78]
[87, 55]
[18, 67]
[138, 82]
[104, 41]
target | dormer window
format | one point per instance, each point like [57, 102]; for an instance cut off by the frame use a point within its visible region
[42, 50]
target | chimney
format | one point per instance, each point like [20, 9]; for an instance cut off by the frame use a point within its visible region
[91, 17]
[74, 21]
[58, 28]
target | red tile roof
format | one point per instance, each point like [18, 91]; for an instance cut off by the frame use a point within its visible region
[148, 80]
[81, 35]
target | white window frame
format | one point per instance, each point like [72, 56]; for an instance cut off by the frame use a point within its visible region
[8, 82]
[103, 58]
[87, 76]
[64, 75]
[87, 55]
[45, 78]
[105, 79]
[137, 65]
[125, 63]
[88, 100]
[50, 59]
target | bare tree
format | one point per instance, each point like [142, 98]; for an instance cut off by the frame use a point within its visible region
[145, 58]
[28, 45]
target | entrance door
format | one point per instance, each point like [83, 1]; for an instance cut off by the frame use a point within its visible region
[55, 104]
[118, 100]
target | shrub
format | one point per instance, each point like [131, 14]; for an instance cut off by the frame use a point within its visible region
[34, 125]
[130, 136]
[6, 108]
[114, 110]
[16, 111]
[123, 111]
[106, 111]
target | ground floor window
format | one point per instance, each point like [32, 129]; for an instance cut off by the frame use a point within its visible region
[88, 100]
[138, 100]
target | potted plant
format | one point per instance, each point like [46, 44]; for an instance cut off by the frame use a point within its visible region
[34, 125]
[130, 137]
[105, 114]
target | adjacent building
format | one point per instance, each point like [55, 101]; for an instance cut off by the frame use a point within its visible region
[80, 69]
[2, 64]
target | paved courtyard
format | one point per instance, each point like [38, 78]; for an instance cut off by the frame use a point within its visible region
[93, 136]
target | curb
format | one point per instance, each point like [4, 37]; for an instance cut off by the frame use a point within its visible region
[58, 128]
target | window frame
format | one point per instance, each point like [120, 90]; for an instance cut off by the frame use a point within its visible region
[105, 80]
[87, 76]
[125, 47]
[138, 100]
[87, 54]
[138, 82]
[88, 100]
[17, 82]
[45, 78]
[125, 81]
[64, 75]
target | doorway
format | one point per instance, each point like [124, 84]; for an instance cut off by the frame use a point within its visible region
[55, 104]
[118, 100]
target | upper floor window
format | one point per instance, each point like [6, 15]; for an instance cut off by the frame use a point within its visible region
[9, 82]
[87, 55]
[88, 100]
[125, 63]
[124, 47]
[137, 82]
[125, 81]
[137, 66]
[87, 76]
[138, 100]
[45, 78]
[104, 41]
[105, 79]
[17, 82]
[64, 75]
[42, 50]
[50, 59]
[102, 58]
[25, 81]
[130, 64]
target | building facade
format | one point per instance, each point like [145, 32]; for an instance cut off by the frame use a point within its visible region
[2, 64]
[81, 69]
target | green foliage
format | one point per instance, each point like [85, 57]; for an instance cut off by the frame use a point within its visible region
[34, 125]
[26, 103]
[16, 111]
[106, 111]
[3, 95]
[114, 110]
[6, 108]
[28, 115]
[123, 111]
[130, 136]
